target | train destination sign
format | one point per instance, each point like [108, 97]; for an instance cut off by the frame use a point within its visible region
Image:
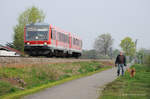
[37, 29]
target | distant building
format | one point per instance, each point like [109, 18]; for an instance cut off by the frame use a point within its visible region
[6, 51]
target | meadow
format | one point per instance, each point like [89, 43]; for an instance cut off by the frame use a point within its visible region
[126, 87]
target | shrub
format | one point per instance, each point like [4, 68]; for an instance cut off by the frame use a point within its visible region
[147, 60]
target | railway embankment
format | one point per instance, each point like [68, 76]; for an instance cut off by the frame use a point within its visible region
[42, 60]
[33, 60]
[19, 77]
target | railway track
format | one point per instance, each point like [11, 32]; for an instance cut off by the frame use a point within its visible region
[36, 60]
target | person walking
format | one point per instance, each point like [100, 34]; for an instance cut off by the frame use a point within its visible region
[120, 63]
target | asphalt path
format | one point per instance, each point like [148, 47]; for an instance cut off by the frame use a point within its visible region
[83, 88]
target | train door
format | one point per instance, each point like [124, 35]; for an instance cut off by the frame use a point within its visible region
[53, 36]
[70, 40]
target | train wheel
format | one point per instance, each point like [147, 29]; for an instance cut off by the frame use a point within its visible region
[50, 54]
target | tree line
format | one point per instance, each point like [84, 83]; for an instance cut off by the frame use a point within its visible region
[103, 47]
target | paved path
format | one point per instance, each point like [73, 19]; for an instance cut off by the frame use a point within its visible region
[83, 88]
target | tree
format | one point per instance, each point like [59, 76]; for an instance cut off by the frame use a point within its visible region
[128, 46]
[30, 15]
[115, 53]
[89, 54]
[103, 43]
[140, 56]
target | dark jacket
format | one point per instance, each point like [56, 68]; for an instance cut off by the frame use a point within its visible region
[121, 59]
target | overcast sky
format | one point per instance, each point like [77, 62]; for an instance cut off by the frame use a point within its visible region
[86, 18]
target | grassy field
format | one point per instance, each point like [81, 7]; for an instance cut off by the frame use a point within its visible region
[126, 87]
[16, 78]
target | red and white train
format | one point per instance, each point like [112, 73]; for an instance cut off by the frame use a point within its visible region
[44, 39]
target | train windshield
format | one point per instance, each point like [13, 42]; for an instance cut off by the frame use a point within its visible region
[37, 34]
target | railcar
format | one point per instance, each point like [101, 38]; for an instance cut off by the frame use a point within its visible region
[41, 39]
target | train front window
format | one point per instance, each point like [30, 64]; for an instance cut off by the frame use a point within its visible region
[37, 34]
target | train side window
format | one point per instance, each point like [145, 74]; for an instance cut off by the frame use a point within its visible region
[73, 41]
[59, 36]
[51, 34]
[79, 43]
[63, 37]
[68, 39]
[55, 34]
[76, 41]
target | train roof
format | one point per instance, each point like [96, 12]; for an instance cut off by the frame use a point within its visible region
[52, 26]
[60, 30]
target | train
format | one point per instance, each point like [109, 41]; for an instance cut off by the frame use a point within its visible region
[42, 39]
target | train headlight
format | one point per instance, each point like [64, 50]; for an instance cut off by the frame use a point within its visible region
[28, 43]
[45, 43]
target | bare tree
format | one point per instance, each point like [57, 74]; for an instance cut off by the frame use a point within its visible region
[103, 43]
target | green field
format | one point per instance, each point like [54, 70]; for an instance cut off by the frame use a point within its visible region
[126, 87]
[40, 76]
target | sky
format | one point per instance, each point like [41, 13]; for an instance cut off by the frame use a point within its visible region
[85, 18]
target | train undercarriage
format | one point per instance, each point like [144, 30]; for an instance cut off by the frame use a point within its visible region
[49, 52]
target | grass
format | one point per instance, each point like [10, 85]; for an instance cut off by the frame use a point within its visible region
[42, 76]
[126, 87]
[6, 88]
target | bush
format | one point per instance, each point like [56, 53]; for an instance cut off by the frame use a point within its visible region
[147, 60]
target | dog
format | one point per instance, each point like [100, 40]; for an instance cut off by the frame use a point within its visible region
[132, 72]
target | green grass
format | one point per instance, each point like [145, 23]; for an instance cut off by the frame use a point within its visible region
[20, 94]
[6, 87]
[126, 87]
[43, 76]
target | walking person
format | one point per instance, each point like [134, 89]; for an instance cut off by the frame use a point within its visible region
[120, 62]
